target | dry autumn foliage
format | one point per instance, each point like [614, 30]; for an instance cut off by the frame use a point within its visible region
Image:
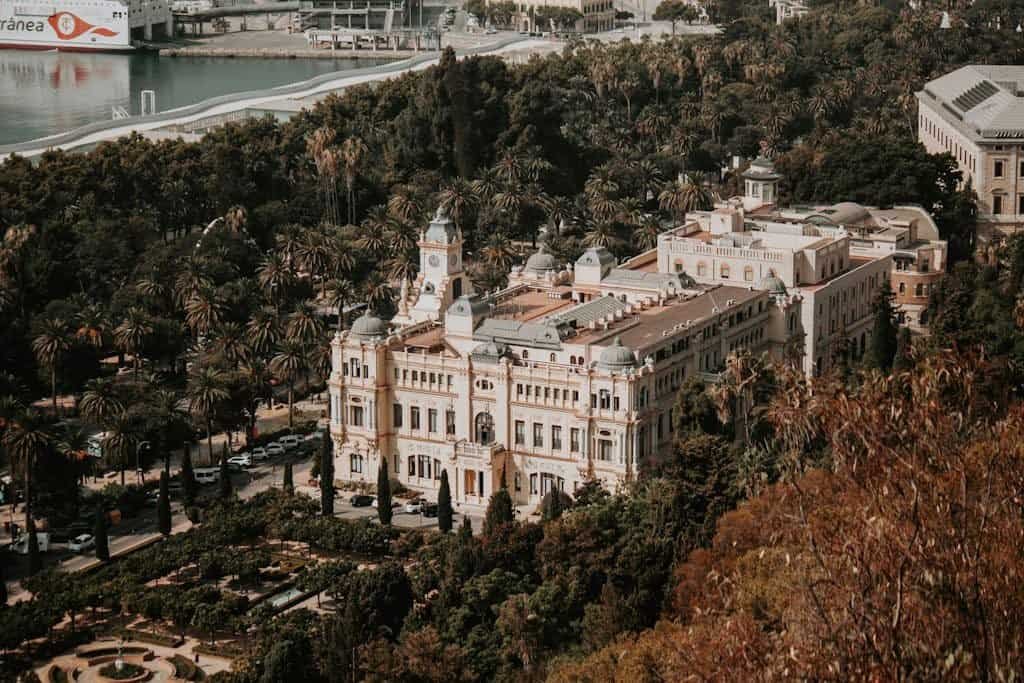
[901, 562]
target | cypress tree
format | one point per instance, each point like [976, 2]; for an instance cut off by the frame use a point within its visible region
[499, 511]
[163, 507]
[444, 504]
[326, 477]
[35, 563]
[289, 483]
[225, 474]
[189, 486]
[466, 530]
[904, 345]
[100, 535]
[882, 347]
[383, 493]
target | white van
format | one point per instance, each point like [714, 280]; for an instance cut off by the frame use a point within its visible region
[207, 475]
[20, 546]
[289, 442]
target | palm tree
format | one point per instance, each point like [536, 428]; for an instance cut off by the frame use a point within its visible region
[26, 438]
[121, 440]
[101, 402]
[287, 365]
[646, 236]
[376, 227]
[315, 255]
[276, 277]
[338, 292]
[457, 199]
[256, 378]
[304, 325]
[378, 293]
[230, 343]
[498, 252]
[402, 237]
[73, 444]
[263, 331]
[352, 152]
[686, 194]
[50, 345]
[172, 423]
[206, 392]
[204, 311]
[405, 205]
[130, 336]
[91, 326]
[191, 280]
[602, 234]
[403, 265]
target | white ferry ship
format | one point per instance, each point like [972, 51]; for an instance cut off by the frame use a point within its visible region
[80, 25]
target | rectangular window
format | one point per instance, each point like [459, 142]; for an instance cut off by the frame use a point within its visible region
[449, 422]
[533, 484]
[593, 400]
[397, 415]
[357, 416]
[356, 465]
[1020, 203]
[414, 417]
[437, 469]
[604, 450]
[398, 463]
[997, 205]
[556, 438]
[518, 481]
[615, 403]
[574, 440]
[519, 390]
[520, 433]
[480, 481]
[998, 169]
[606, 399]
[412, 465]
[431, 420]
[575, 397]
[538, 435]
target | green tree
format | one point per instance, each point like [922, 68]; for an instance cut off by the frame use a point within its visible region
[27, 438]
[673, 11]
[288, 483]
[327, 476]
[383, 493]
[51, 344]
[444, 504]
[904, 348]
[553, 504]
[100, 535]
[163, 507]
[882, 348]
[207, 392]
[499, 512]
[287, 365]
[189, 486]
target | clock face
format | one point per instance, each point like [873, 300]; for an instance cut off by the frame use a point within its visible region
[433, 260]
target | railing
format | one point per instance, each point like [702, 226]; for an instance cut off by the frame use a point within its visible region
[479, 451]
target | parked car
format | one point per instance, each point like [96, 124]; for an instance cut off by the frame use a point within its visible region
[82, 543]
[414, 507]
[275, 449]
[258, 453]
[394, 503]
[244, 460]
[313, 436]
[361, 500]
[207, 475]
[289, 442]
[491, 31]
[429, 510]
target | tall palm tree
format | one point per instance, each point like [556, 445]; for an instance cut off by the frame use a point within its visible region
[263, 331]
[373, 238]
[338, 292]
[121, 441]
[378, 293]
[457, 199]
[304, 325]
[230, 342]
[602, 234]
[255, 378]
[204, 311]
[315, 255]
[402, 237]
[276, 277]
[92, 326]
[73, 444]
[686, 194]
[27, 437]
[50, 345]
[172, 423]
[206, 392]
[191, 279]
[646, 235]
[101, 401]
[497, 252]
[352, 152]
[405, 205]
[287, 365]
[325, 159]
[130, 336]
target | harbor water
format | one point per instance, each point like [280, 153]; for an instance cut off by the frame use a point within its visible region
[45, 93]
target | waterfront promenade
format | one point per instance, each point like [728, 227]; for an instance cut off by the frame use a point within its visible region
[285, 98]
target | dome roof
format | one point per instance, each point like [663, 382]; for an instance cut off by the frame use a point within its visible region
[761, 169]
[845, 213]
[470, 306]
[369, 326]
[541, 262]
[773, 284]
[595, 256]
[489, 352]
[617, 357]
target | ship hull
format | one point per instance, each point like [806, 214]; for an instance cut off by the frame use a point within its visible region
[65, 25]
[63, 47]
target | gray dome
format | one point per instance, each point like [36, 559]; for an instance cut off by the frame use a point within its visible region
[773, 284]
[541, 262]
[441, 229]
[489, 352]
[846, 213]
[369, 326]
[761, 169]
[617, 357]
[470, 306]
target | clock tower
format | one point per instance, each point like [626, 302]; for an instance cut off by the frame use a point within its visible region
[442, 279]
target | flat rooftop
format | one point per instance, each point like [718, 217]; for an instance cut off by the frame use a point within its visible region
[532, 304]
[643, 330]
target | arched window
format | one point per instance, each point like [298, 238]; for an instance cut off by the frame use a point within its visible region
[356, 463]
[903, 287]
[748, 274]
[723, 271]
[702, 269]
[552, 358]
[484, 428]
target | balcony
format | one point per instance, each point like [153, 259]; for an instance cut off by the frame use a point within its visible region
[483, 453]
